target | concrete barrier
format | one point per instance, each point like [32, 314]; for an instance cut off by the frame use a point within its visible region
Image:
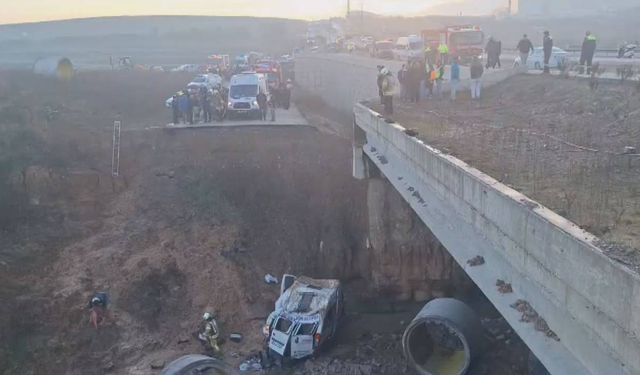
[591, 302]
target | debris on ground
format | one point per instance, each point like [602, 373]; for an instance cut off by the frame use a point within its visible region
[411, 132]
[235, 337]
[157, 364]
[504, 287]
[270, 279]
[252, 364]
[476, 261]
[371, 354]
[530, 315]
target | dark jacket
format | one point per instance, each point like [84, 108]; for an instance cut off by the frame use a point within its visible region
[401, 76]
[588, 46]
[476, 70]
[525, 45]
[262, 100]
[547, 44]
[491, 47]
[380, 79]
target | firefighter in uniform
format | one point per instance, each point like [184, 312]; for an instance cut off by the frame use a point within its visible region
[443, 51]
[211, 333]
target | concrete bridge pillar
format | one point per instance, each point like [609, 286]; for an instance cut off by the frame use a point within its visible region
[407, 262]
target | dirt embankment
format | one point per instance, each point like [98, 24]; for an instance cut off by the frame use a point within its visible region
[193, 223]
[554, 139]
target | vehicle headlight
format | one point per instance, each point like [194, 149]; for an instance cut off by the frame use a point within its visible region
[230, 105]
[255, 103]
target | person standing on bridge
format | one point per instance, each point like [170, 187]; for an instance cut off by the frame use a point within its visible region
[388, 89]
[587, 52]
[380, 79]
[476, 71]
[402, 80]
[413, 78]
[455, 77]
[490, 49]
[525, 47]
[547, 47]
[443, 51]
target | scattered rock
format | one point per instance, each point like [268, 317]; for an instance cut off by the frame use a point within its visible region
[530, 315]
[183, 339]
[108, 366]
[251, 364]
[411, 132]
[504, 287]
[235, 337]
[477, 261]
[157, 364]
[270, 279]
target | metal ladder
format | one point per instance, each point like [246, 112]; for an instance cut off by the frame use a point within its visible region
[115, 157]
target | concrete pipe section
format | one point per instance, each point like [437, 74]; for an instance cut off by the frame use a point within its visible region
[443, 338]
[196, 364]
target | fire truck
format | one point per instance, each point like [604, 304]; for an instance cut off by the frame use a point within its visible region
[464, 41]
[271, 69]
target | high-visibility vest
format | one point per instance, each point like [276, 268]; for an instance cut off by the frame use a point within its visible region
[591, 37]
[443, 48]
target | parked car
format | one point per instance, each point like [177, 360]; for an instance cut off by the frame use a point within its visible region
[409, 48]
[306, 317]
[383, 49]
[208, 80]
[559, 58]
[189, 68]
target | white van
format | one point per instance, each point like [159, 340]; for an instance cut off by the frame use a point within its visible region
[243, 92]
[409, 48]
[306, 317]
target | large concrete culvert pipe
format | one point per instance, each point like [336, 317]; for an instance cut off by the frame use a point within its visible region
[443, 338]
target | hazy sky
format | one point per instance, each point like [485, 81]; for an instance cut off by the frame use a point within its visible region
[15, 11]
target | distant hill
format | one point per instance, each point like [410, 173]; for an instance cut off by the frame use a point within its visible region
[139, 25]
[152, 40]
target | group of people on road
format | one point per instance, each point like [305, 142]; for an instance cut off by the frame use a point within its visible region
[587, 52]
[421, 79]
[525, 48]
[201, 104]
[424, 79]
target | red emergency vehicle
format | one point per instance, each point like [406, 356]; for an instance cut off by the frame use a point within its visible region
[272, 70]
[465, 41]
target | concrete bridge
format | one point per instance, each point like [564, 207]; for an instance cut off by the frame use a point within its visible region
[589, 302]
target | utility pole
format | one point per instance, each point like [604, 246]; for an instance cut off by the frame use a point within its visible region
[348, 8]
[362, 17]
